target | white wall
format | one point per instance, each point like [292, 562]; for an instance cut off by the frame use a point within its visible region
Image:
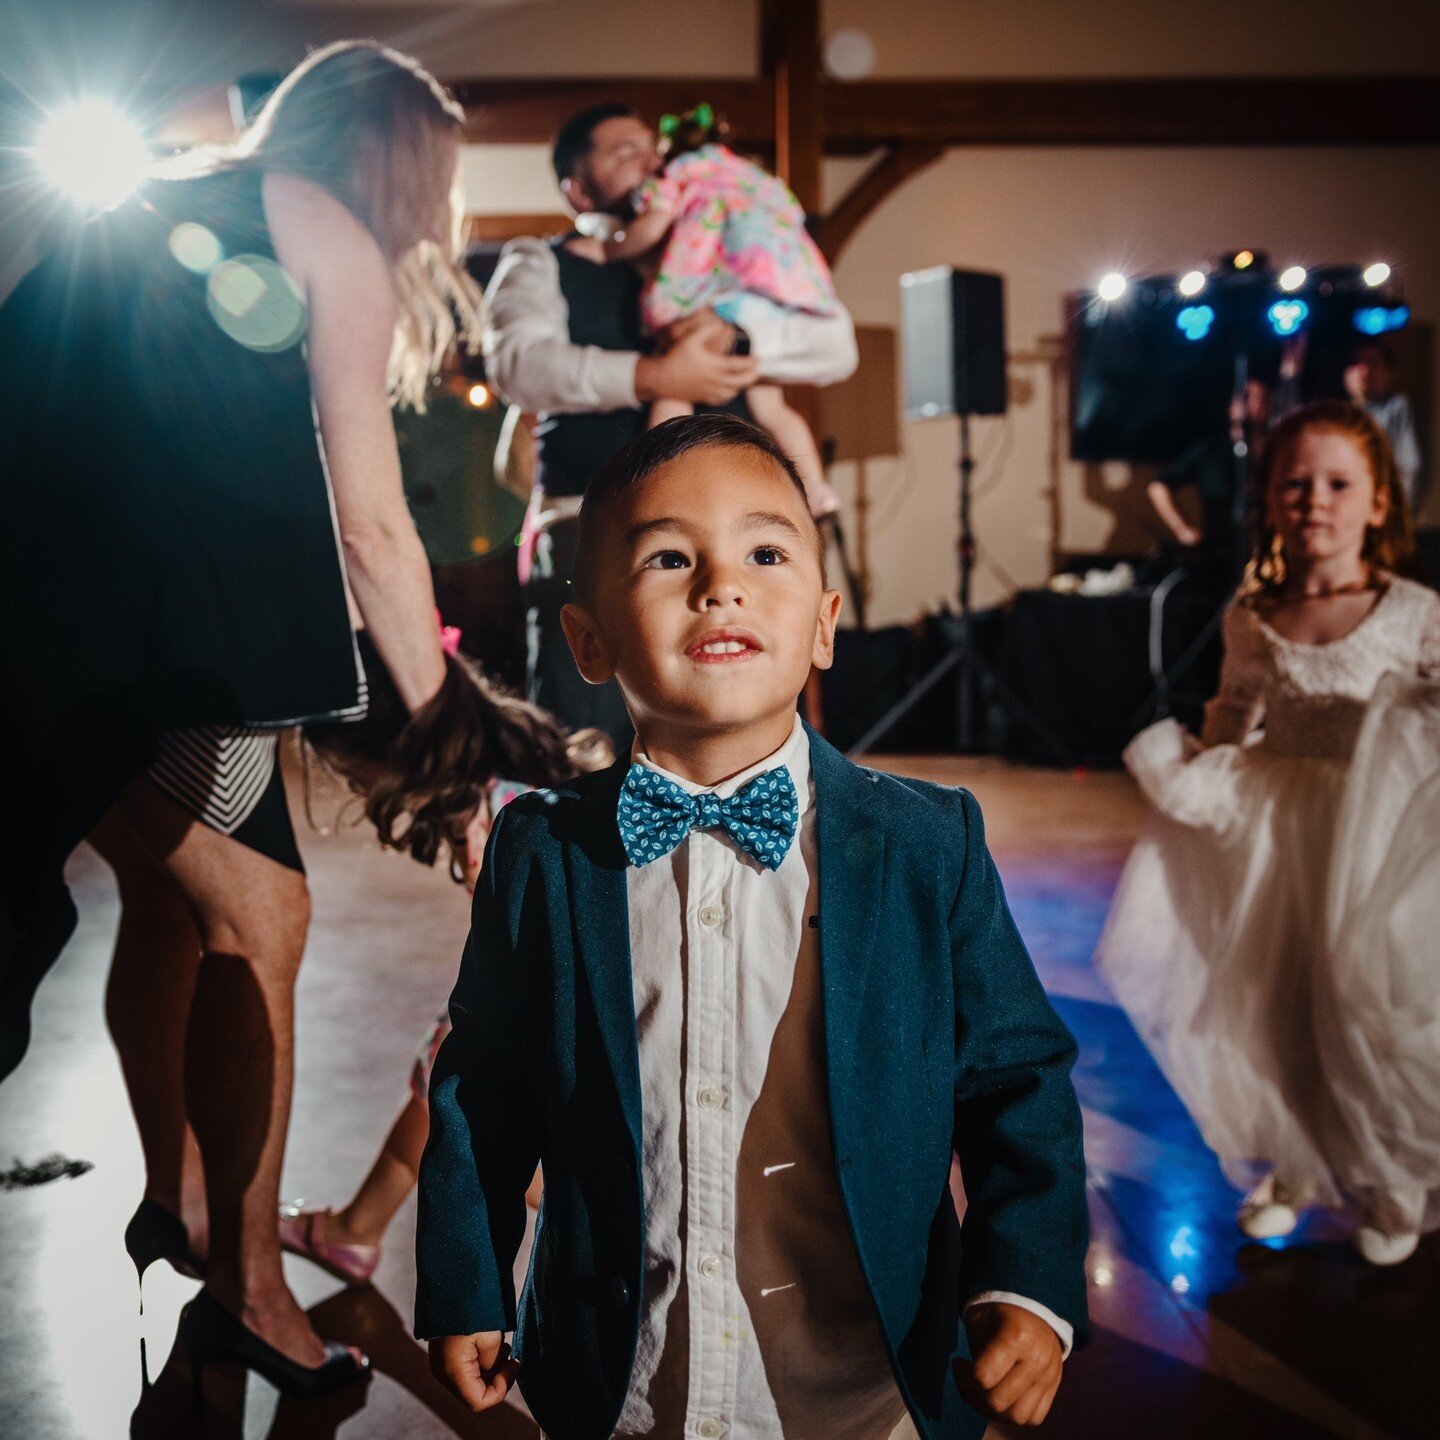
[1053, 221]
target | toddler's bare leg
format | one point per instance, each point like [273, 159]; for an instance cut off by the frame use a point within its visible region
[663, 410]
[767, 405]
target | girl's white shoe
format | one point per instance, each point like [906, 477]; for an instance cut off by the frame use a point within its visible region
[1264, 1214]
[1381, 1249]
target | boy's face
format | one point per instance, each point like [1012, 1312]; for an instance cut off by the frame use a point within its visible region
[709, 607]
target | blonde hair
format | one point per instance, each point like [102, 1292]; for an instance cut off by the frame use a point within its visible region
[1388, 546]
[373, 128]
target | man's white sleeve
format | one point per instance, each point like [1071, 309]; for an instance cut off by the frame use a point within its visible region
[529, 356]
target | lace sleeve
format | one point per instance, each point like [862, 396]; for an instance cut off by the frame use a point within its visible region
[1430, 642]
[1239, 708]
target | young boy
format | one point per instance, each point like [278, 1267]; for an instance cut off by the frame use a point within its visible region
[742, 998]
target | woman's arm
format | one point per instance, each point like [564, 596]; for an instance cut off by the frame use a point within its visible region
[1163, 503]
[352, 304]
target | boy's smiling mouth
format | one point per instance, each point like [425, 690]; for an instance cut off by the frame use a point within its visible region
[724, 646]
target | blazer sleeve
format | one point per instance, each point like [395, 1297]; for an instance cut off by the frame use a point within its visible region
[1017, 1121]
[485, 1136]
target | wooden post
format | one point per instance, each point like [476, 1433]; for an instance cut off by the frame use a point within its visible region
[790, 59]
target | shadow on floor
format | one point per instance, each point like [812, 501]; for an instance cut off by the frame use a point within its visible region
[362, 1317]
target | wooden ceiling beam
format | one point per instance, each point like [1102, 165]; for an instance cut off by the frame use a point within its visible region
[1381, 110]
[528, 112]
[867, 115]
[872, 189]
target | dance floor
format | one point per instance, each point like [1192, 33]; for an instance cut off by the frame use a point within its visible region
[1196, 1334]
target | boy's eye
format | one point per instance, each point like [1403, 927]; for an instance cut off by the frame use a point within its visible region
[768, 555]
[666, 560]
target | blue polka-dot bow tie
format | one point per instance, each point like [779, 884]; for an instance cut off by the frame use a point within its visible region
[656, 814]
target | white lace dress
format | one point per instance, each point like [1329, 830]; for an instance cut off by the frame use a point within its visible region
[1276, 933]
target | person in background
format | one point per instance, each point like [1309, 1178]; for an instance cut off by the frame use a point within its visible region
[563, 340]
[182, 577]
[1210, 469]
[715, 230]
[1273, 934]
[1370, 380]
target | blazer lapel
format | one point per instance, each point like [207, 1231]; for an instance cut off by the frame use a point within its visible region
[596, 868]
[851, 847]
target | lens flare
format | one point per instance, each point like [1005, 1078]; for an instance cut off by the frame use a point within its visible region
[1376, 274]
[1293, 278]
[1112, 287]
[92, 153]
[1192, 282]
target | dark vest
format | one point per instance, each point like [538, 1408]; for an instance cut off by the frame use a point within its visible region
[604, 303]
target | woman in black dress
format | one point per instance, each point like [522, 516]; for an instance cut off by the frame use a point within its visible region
[182, 572]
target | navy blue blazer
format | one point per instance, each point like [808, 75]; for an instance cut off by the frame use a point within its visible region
[938, 1036]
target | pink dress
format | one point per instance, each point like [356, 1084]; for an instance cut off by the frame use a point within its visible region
[737, 229]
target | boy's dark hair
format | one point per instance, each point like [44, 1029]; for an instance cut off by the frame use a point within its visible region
[657, 447]
[575, 138]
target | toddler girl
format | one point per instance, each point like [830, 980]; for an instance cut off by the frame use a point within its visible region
[347, 1242]
[1274, 933]
[719, 232]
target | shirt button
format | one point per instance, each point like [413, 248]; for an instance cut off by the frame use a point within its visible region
[711, 1098]
[710, 1268]
[710, 1429]
[711, 915]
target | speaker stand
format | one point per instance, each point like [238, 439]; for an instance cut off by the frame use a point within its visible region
[963, 656]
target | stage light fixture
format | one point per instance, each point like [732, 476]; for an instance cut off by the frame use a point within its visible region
[1112, 287]
[1194, 321]
[1292, 278]
[1243, 259]
[1287, 316]
[1191, 283]
[1376, 274]
[92, 153]
[1379, 319]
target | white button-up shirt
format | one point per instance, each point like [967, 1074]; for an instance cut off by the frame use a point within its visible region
[756, 1321]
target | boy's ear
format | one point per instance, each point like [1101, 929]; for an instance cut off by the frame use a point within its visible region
[822, 654]
[587, 645]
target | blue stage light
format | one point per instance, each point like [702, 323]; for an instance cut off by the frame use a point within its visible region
[1287, 316]
[1377, 319]
[1194, 321]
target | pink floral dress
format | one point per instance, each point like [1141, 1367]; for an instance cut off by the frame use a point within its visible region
[737, 228]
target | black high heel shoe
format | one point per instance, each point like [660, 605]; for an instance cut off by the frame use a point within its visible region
[155, 1234]
[212, 1335]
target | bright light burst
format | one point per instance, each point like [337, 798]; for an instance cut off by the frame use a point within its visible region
[92, 153]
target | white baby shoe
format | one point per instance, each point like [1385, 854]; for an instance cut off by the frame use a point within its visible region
[1265, 1213]
[1381, 1248]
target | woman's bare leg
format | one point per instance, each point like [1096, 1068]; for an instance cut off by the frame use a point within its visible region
[768, 406]
[251, 914]
[147, 1007]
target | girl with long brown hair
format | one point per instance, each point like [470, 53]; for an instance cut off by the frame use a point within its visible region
[1273, 936]
[182, 576]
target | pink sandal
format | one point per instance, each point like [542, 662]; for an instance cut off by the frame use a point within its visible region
[354, 1264]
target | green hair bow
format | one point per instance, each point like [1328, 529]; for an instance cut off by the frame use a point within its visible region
[702, 115]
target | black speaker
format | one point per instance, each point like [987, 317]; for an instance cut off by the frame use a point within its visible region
[953, 340]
